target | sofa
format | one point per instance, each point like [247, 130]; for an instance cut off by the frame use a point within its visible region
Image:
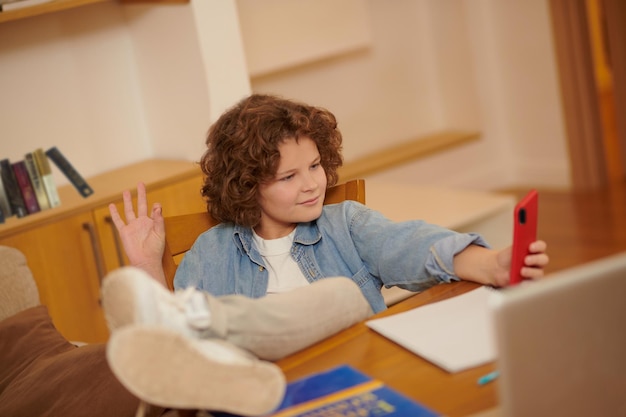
[43, 374]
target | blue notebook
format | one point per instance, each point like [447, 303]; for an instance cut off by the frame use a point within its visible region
[344, 391]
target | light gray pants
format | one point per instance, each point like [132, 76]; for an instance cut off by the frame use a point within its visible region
[278, 325]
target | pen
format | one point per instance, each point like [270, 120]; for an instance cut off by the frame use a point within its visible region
[485, 379]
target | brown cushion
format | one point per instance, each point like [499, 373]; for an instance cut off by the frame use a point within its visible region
[42, 374]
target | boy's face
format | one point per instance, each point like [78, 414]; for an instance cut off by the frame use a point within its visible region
[297, 192]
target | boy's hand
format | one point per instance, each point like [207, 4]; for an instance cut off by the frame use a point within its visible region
[534, 263]
[142, 236]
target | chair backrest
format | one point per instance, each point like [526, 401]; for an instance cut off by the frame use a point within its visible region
[182, 231]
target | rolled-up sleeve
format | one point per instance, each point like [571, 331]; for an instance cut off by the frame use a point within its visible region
[440, 262]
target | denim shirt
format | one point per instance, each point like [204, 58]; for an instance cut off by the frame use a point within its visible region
[348, 239]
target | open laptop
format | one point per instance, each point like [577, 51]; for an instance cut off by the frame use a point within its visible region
[561, 343]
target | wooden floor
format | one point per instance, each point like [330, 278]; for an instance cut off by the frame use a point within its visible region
[581, 226]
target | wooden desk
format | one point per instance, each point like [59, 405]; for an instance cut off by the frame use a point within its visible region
[453, 395]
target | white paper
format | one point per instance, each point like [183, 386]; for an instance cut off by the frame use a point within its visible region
[454, 334]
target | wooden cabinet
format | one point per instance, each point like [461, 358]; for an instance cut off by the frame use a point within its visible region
[72, 247]
[62, 261]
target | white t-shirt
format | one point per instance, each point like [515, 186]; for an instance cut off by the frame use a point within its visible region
[284, 272]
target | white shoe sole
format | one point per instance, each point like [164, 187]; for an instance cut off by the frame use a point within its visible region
[164, 368]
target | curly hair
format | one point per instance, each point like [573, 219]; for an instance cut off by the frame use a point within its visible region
[243, 152]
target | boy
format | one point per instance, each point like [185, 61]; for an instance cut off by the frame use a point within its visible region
[267, 166]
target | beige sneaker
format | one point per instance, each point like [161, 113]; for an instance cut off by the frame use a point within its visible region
[166, 368]
[131, 296]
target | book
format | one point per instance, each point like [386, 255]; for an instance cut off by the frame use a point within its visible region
[462, 320]
[5, 206]
[36, 181]
[69, 171]
[43, 165]
[345, 391]
[26, 187]
[18, 207]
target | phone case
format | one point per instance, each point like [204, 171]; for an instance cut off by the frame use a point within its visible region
[524, 233]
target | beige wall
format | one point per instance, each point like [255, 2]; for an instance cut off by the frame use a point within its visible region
[111, 84]
[432, 65]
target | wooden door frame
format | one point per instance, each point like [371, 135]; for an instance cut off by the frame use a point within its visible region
[615, 12]
[583, 121]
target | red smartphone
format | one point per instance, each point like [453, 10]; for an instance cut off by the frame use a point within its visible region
[524, 233]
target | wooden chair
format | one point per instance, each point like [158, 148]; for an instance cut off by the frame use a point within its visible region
[182, 231]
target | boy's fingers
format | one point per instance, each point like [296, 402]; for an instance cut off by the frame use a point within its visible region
[538, 246]
[142, 201]
[532, 273]
[538, 260]
[129, 212]
[115, 217]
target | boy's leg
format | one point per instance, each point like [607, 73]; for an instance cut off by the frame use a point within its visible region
[277, 325]
[161, 338]
[270, 327]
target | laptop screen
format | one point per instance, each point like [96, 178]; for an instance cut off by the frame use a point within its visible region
[561, 342]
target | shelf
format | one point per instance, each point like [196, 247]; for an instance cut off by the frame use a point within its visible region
[58, 5]
[404, 153]
[43, 8]
[108, 187]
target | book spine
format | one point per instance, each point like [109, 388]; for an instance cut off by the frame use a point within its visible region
[70, 172]
[13, 189]
[36, 181]
[26, 187]
[41, 160]
[5, 206]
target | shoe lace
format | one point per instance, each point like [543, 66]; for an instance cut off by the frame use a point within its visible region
[195, 306]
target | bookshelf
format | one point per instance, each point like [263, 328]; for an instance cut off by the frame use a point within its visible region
[58, 5]
[71, 247]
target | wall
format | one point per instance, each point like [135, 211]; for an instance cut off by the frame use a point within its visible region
[113, 84]
[516, 81]
[432, 65]
[66, 80]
